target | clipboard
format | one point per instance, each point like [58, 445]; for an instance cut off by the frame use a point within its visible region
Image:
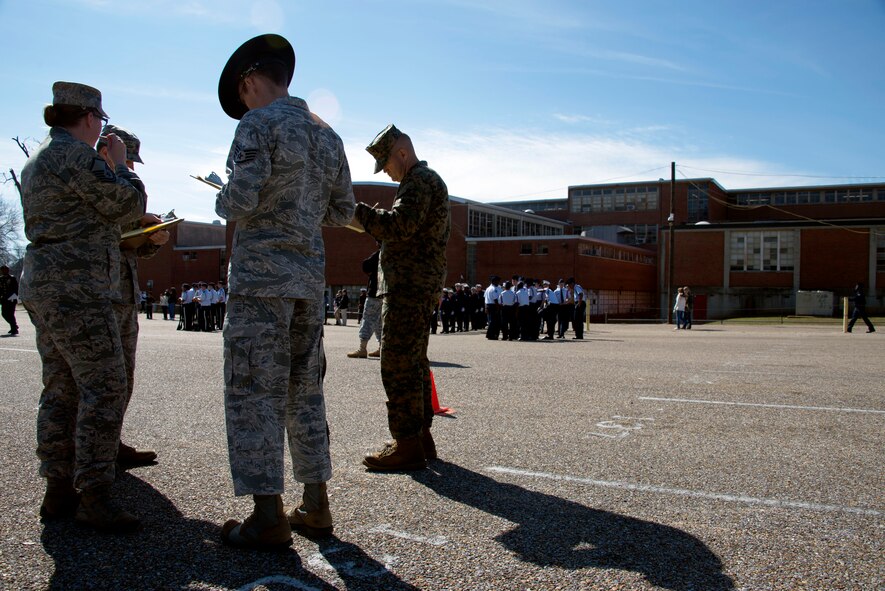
[354, 225]
[135, 238]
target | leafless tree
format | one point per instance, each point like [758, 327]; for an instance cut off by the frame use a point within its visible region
[10, 216]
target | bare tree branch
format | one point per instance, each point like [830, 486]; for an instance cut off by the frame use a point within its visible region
[21, 144]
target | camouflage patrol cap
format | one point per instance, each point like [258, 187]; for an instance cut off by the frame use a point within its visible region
[382, 145]
[133, 144]
[250, 56]
[77, 95]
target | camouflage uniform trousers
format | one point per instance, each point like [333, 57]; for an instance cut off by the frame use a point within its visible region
[405, 369]
[84, 390]
[127, 320]
[371, 322]
[273, 384]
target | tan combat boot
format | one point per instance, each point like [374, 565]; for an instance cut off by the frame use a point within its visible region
[402, 455]
[376, 352]
[129, 457]
[265, 529]
[101, 512]
[360, 353]
[312, 518]
[60, 501]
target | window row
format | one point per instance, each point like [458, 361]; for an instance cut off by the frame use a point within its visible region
[613, 252]
[809, 197]
[762, 251]
[486, 224]
[639, 198]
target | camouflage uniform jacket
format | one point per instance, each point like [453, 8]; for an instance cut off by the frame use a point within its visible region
[73, 207]
[288, 177]
[413, 234]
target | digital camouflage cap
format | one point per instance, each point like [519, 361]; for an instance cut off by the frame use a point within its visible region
[133, 144]
[382, 145]
[77, 95]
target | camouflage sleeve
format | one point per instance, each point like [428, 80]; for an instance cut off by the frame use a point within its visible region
[119, 196]
[341, 200]
[250, 166]
[402, 221]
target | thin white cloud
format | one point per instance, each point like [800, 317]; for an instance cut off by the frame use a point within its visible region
[499, 164]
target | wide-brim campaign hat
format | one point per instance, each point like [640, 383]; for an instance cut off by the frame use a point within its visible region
[249, 57]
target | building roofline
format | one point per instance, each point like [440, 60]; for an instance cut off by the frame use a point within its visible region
[762, 224]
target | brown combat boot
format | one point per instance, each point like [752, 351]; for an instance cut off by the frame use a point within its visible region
[428, 444]
[265, 529]
[376, 353]
[60, 501]
[402, 455]
[129, 457]
[101, 512]
[360, 353]
[312, 518]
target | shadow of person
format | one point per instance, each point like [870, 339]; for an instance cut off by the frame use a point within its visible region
[552, 531]
[174, 552]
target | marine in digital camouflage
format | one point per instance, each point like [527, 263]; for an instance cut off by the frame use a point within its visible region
[412, 269]
[73, 206]
[273, 373]
[289, 176]
[413, 234]
[405, 369]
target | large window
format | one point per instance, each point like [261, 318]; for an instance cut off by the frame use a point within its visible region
[480, 224]
[631, 198]
[698, 204]
[762, 251]
[507, 226]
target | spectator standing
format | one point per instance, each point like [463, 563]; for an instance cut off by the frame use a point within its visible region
[679, 308]
[8, 299]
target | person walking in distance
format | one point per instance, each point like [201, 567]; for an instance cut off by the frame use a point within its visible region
[860, 308]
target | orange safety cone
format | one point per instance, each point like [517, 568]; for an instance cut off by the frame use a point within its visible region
[434, 399]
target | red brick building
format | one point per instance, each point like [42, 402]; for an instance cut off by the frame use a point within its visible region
[741, 251]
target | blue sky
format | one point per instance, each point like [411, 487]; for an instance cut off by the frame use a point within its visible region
[506, 99]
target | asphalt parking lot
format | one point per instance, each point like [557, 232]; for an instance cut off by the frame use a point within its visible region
[745, 458]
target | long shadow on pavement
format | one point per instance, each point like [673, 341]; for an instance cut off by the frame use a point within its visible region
[173, 552]
[555, 532]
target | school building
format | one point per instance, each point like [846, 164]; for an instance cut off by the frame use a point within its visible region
[743, 252]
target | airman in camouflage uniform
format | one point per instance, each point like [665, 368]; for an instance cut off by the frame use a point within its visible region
[73, 205]
[412, 269]
[288, 177]
[127, 308]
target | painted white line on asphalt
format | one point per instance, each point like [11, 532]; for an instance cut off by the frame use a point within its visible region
[683, 492]
[24, 350]
[385, 528]
[760, 405]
